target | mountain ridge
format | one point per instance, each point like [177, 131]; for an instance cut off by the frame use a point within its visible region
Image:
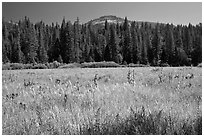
[112, 19]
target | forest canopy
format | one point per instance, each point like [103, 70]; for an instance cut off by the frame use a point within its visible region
[124, 43]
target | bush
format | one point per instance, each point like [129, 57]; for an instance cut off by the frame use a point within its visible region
[28, 66]
[14, 66]
[71, 65]
[123, 66]
[56, 64]
[39, 66]
[49, 65]
[6, 66]
[99, 64]
[164, 65]
[53, 65]
[137, 65]
[200, 65]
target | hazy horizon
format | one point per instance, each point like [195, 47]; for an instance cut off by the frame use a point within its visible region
[163, 12]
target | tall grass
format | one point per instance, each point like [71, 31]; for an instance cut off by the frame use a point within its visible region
[102, 109]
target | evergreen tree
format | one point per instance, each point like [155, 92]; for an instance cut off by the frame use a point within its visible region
[170, 44]
[139, 47]
[68, 44]
[144, 49]
[63, 41]
[29, 42]
[5, 43]
[42, 53]
[56, 50]
[76, 41]
[156, 45]
[196, 53]
[127, 47]
[113, 44]
[17, 54]
[107, 54]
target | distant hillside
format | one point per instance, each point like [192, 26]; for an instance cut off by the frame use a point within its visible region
[109, 18]
[113, 19]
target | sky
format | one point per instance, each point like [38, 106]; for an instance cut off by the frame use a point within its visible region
[176, 13]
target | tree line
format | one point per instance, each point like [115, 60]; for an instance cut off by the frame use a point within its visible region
[139, 43]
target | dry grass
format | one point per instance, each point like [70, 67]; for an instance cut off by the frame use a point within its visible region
[115, 101]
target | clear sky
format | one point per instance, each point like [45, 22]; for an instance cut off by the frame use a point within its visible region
[176, 13]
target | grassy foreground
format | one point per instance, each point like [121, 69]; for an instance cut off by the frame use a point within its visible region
[102, 101]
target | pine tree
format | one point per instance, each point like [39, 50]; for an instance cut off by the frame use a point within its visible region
[76, 41]
[127, 47]
[179, 42]
[87, 45]
[42, 53]
[134, 43]
[5, 43]
[113, 44]
[156, 45]
[196, 53]
[170, 44]
[68, 44]
[29, 42]
[107, 54]
[189, 40]
[63, 39]
[139, 47]
[56, 50]
[103, 43]
[144, 49]
[17, 54]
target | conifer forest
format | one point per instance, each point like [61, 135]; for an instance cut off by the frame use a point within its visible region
[155, 44]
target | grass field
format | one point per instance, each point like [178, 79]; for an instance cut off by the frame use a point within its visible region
[98, 101]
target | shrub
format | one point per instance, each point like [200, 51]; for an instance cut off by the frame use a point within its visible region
[28, 66]
[124, 63]
[53, 65]
[49, 65]
[123, 66]
[14, 66]
[6, 66]
[164, 65]
[137, 65]
[199, 65]
[39, 66]
[99, 64]
[71, 65]
[56, 64]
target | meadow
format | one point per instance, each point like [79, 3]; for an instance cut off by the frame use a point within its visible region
[102, 101]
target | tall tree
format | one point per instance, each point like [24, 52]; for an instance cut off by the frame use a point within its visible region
[144, 49]
[5, 42]
[156, 45]
[113, 44]
[76, 40]
[42, 53]
[170, 44]
[63, 38]
[17, 54]
[68, 44]
[127, 47]
[29, 42]
[135, 43]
